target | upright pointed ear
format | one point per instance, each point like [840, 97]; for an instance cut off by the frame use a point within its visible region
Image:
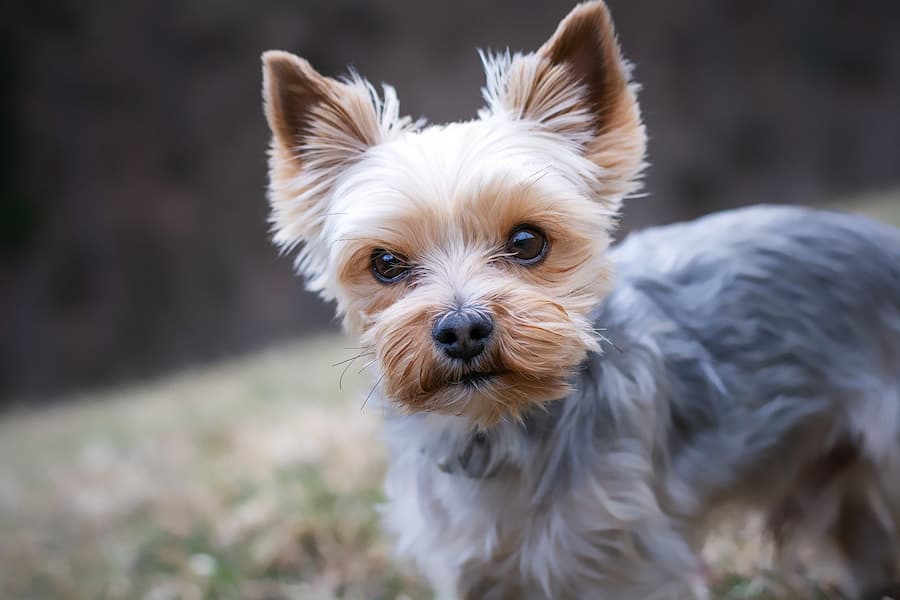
[577, 85]
[320, 126]
[308, 112]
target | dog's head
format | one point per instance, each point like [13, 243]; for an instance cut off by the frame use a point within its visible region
[466, 256]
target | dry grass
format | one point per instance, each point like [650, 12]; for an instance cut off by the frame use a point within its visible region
[253, 479]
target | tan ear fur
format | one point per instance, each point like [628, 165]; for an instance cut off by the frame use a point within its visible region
[585, 43]
[308, 112]
[578, 85]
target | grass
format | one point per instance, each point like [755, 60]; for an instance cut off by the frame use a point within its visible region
[254, 479]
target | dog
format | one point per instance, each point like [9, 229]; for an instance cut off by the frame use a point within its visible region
[569, 418]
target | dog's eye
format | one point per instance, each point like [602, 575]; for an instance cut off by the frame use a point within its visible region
[389, 267]
[527, 245]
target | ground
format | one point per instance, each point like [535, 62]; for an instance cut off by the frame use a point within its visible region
[252, 479]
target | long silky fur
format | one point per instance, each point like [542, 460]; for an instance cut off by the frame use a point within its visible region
[745, 360]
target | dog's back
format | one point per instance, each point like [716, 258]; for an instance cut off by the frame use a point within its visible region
[780, 331]
[770, 304]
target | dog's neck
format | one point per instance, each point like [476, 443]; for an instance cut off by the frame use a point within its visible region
[484, 453]
[478, 453]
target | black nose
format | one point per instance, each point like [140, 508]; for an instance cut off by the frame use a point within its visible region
[462, 334]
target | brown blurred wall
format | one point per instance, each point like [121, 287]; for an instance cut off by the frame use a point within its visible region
[133, 234]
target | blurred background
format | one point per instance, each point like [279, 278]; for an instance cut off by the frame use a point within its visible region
[133, 234]
[134, 245]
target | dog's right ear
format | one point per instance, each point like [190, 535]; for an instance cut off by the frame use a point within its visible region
[320, 126]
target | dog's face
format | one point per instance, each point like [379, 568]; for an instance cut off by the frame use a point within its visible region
[467, 257]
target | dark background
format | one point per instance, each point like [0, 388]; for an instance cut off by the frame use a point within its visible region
[133, 234]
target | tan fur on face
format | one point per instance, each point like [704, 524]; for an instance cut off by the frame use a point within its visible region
[457, 248]
[535, 345]
[558, 146]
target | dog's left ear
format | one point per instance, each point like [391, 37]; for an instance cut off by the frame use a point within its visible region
[577, 85]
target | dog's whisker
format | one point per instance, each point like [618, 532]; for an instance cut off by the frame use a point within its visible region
[367, 365]
[346, 239]
[372, 391]
[347, 364]
[597, 331]
[352, 358]
[535, 177]
[343, 372]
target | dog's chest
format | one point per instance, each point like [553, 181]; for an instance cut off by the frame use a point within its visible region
[447, 521]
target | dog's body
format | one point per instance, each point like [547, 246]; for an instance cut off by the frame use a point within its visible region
[753, 358]
[558, 431]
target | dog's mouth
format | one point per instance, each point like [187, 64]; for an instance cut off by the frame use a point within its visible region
[475, 379]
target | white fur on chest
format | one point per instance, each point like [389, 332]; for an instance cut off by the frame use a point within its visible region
[440, 521]
[446, 522]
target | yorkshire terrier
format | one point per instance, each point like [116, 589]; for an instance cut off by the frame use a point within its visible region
[570, 419]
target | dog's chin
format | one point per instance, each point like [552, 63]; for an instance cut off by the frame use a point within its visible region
[475, 380]
[486, 397]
